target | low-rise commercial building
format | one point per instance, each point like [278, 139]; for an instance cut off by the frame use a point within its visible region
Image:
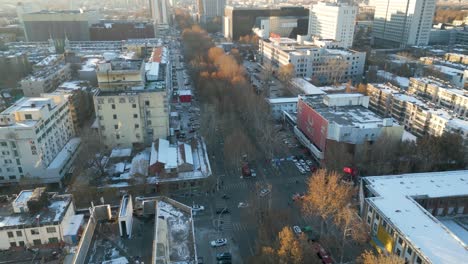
[420, 217]
[37, 139]
[30, 227]
[280, 105]
[322, 64]
[340, 118]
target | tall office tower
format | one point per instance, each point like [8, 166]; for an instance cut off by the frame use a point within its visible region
[210, 8]
[160, 12]
[400, 23]
[333, 21]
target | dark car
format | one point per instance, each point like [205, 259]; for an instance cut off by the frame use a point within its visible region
[222, 211]
[225, 197]
[200, 260]
[224, 256]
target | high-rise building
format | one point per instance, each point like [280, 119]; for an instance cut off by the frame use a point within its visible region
[333, 21]
[210, 8]
[160, 12]
[400, 23]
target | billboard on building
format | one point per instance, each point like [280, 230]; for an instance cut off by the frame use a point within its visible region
[312, 124]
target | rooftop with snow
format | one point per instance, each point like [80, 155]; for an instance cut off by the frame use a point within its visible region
[395, 198]
[53, 214]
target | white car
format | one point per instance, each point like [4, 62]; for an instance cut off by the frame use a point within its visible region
[264, 192]
[243, 205]
[197, 208]
[297, 230]
[307, 168]
[218, 242]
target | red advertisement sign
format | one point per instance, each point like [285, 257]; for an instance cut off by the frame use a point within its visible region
[312, 124]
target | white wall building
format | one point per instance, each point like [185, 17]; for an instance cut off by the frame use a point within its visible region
[400, 23]
[278, 105]
[22, 229]
[37, 139]
[323, 65]
[333, 21]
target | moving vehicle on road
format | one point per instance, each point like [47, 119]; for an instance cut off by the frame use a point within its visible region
[264, 192]
[197, 208]
[224, 256]
[243, 205]
[219, 242]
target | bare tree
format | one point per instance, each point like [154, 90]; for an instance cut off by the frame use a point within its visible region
[351, 227]
[286, 72]
[92, 151]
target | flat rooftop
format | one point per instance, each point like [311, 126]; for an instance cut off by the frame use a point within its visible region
[350, 116]
[56, 210]
[434, 81]
[395, 199]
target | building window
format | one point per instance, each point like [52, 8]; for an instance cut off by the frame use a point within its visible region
[147, 103]
[21, 243]
[113, 106]
[409, 251]
[133, 105]
[12, 244]
[34, 231]
[114, 116]
[418, 260]
[117, 136]
[135, 115]
[398, 252]
[51, 229]
[53, 240]
[137, 125]
[12, 177]
[116, 126]
[28, 116]
[19, 234]
[37, 242]
[10, 234]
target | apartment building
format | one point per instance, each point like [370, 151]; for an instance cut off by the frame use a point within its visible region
[450, 68]
[457, 58]
[47, 75]
[419, 115]
[401, 23]
[23, 228]
[319, 60]
[440, 93]
[132, 104]
[160, 12]
[419, 217]
[37, 139]
[333, 21]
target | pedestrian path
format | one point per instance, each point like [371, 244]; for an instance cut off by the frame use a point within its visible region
[237, 227]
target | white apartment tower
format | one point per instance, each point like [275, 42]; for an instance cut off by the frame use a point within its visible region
[37, 139]
[333, 21]
[160, 12]
[400, 23]
[210, 8]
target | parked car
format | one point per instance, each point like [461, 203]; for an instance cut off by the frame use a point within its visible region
[243, 205]
[197, 208]
[224, 256]
[297, 230]
[218, 242]
[323, 254]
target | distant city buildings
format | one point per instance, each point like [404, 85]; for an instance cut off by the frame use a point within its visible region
[333, 21]
[420, 217]
[209, 9]
[239, 21]
[401, 23]
[121, 30]
[44, 25]
[319, 60]
[278, 26]
[161, 13]
[37, 139]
